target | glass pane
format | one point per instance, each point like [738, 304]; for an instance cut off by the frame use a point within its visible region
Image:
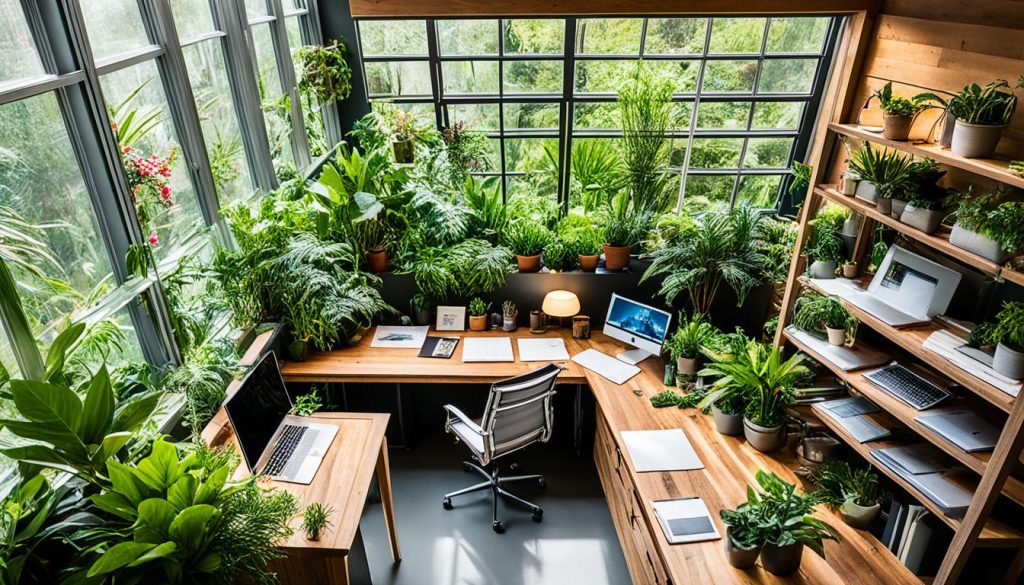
[797, 35]
[603, 76]
[609, 36]
[418, 110]
[114, 26]
[682, 74]
[41, 182]
[758, 190]
[527, 154]
[313, 120]
[492, 160]
[464, 77]
[18, 56]
[677, 152]
[729, 76]
[474, 116]
[777, 115]
[468, 37]
[716, 153]
[768, 153]
[520, 116]
[736, 35]
[254, 8]
[723, 115]
[208, 74]
[787, 75]
[533, 77]
[276, 103]
[708, 192]
[675, 36]
[393, 37]
[596, 116]
[192, 18]
[534, 36]
[165, 201]
[401, 78]
[682, 114]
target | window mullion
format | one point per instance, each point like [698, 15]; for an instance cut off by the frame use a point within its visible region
[568, 105]
[286, 71]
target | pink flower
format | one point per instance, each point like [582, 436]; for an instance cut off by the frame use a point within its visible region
[153, 240]
[165, 192]
[126, 149]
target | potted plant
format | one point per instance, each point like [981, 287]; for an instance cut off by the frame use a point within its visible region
[558, 255]
[786, 524]
[826, 247]
[743, 535]
[527, 239]
[689, 339]
[315, 519]
[509, 315]
[988, 227]
[824, 316]
[420, 305]
[857, 494]
[478, 314]
[585, 242]
[921, 183]
[1007, 334]
[849, 269]
[325, 72]
[883, 171]
[848, 184]
[899, 113]
[948, 121]
[625, 228]
[981, 115]
[403, 132]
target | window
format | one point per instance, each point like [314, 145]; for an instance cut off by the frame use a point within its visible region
[745, 93]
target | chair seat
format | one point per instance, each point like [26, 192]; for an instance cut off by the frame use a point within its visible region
[470, 437]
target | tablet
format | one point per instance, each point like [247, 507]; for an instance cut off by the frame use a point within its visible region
[685, 520]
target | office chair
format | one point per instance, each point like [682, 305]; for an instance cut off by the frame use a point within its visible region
[518, 414]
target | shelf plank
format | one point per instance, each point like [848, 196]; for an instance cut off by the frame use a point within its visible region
[977, 462]
[994, 534]
[912, 340]
[938, 242]
[991, 168]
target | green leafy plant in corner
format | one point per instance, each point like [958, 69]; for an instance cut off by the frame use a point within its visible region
[839, 483]
[786, 514]
[802, 174]
[691, 337]
[991, 105]
[760, 377]
[814, 312]
[315, 519]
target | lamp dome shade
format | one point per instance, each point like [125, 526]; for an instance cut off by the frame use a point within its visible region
[561, 303]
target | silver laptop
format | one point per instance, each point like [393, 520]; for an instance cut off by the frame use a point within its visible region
[907, 289]
[274, 443]
[964, 429]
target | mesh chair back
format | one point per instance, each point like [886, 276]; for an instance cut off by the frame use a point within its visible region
[518, 411]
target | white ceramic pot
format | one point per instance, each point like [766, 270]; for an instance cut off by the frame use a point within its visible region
[821, 269]
[866, 192]
[975, 140]
[764, 439]
[859, 516]
[836, 336]
[976, 243]
[926, 220]
[1008, 362]
[948, 125]
[898, 205]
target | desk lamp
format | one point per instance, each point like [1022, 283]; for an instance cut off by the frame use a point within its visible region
[561, 304]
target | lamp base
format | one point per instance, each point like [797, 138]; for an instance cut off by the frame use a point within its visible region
[633, 356]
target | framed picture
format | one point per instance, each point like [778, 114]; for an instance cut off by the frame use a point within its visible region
[451, 319]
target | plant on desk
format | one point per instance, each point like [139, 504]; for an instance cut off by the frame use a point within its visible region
[786, 524]
[688, 341]
[822, 316]
[478, 314]
[1007, 334]
[856, 493]
[509, 315]
[315, 519]
[743, 535]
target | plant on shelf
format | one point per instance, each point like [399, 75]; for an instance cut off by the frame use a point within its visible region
[981, 114]
[923, 199]
[724, 248]
[988, 226]
[899, 112]
[825, 247]
[325, 72]
[307, 404]
[802, 174]
[857, 493]
[478, 314]
[881, 174]
[402, 130]
[559, 256]
[585, 242]
[1007, 334]
[315, 519]
[849, 269]
[645, 109]
[527, 239]
[625, 228]
[688, 341]
[1016, 167]
[823, 315]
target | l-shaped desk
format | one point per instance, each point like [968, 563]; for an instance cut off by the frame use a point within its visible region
[730, 463]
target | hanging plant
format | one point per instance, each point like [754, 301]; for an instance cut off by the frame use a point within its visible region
[325, 73]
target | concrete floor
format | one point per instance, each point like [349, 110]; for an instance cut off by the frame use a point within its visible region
[575, 543]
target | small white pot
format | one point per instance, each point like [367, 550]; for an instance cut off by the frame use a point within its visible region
[1008, 362]
[686, 366]
[975, 140]
[898, 205]
[823, 270]
[859, 516]
[836, 336]
[926, 220]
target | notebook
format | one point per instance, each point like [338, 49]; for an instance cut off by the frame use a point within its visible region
[487, 349]
[439, 347]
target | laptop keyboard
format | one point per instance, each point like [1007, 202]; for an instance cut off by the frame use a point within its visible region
[908, 386]
[287, 442]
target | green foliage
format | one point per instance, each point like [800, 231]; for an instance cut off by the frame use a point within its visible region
[525, 237]
[990, 216]
[801, 178]
[315, 519]
[814, 312]
[778, 515]
[466, 151]
[203, 379]
[645, 108]
[691, 337]
[825, 243]
[488, 213]
[627, 222]
[1008, 328]
[471, 267]
[581, 235]
[778, 240]
[992, 105]
[895, 105]
[887, 170]
[508, 310]
[665, 399]
[596, 174]
[760, 377]
[325, 72]
[560, 256]
[921, 188]
[722, 249]
[477, 307]
[308, 403]
[744, 526]
[839, 483]
[669, 229]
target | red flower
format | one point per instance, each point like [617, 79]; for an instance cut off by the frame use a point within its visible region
[126, 149]
[165, 192]
[153, 240]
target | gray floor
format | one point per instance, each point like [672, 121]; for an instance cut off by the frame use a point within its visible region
[575, 543]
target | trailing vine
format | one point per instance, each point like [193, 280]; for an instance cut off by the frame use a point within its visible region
[325, 72]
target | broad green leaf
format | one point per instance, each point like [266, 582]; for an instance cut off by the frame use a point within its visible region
[125, 482]
[47, 403]
[189, 527]
[159, 552]
[116, 504]
[98, 410]
[212, 487]
[160, 470]
[130, 414]
[209, 563]
[367, 206]
[12, 314]
[119, 556]
[113, 443]
[183, 493]
[330, 178]
[157, 513]
[52, 433]
[39, 454]
[59, 349]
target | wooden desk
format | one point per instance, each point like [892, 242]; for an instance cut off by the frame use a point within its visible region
[358, 452]
[730, 465]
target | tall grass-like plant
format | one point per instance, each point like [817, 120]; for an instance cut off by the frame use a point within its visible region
[597, 173]
[887, 170]
[526, 237]
[645, 108]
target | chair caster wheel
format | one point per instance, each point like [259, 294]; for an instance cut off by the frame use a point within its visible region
[538, 515]
[498, 527]
[447, 503]
[542, 484]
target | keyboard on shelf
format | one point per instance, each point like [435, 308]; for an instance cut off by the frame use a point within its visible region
[287, 442]
[908, 386]
[605, 365]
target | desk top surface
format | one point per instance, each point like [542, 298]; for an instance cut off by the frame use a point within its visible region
[730, 463]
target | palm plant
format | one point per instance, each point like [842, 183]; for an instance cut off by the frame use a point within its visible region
[597, 173]
[315, 519]
[722, 249]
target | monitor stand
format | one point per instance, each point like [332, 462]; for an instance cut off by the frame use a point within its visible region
[634, 356]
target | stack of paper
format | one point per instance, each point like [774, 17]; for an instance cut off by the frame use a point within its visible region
[662, 450]
[946, 345]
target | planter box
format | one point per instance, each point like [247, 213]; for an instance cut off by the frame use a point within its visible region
[823, 270]
[978, 244]
[926, 220]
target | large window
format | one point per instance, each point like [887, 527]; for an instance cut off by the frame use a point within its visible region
[746, 90]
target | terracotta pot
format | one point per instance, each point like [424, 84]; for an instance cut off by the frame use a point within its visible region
[764, 439]
[866, 192]
[782, 560]
[975, 140]
[377, 260]
[478, 322]
[849, 271]
[897, 127]
[738, 557]
[686, 366]
[926, 220]
[1008, 362]
[404, 152]
[528, 263]
[821, 269]
[976, 243]
[836, 336]
[898, 205]
[859, 516]
[616, 257]
[727, 424]
[588, 263]
[883, 205]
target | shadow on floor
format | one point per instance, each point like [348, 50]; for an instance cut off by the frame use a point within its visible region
[575, 543]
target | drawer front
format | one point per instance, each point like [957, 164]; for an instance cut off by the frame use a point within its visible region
[624, 516]
[649, 559]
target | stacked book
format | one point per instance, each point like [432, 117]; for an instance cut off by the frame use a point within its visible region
[916, 537]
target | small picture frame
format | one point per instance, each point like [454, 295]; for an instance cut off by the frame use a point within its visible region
[451, 319]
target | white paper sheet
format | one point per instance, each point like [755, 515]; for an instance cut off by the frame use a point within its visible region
[399, 336]
[487, 349]
[945, 344]
[542, 349]
[661, 450]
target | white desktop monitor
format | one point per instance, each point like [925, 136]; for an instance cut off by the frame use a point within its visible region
[639, 325]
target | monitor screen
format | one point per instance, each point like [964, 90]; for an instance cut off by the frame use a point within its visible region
[638, 319]
[258, 407]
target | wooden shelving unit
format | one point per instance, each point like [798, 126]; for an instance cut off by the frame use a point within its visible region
[987, 475]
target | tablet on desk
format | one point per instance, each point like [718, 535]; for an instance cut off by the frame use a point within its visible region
[685, 520]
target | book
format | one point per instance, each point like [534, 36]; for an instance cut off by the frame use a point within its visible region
[439, 347]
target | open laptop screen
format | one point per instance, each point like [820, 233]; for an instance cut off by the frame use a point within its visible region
[257, 408]
[907, 289]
